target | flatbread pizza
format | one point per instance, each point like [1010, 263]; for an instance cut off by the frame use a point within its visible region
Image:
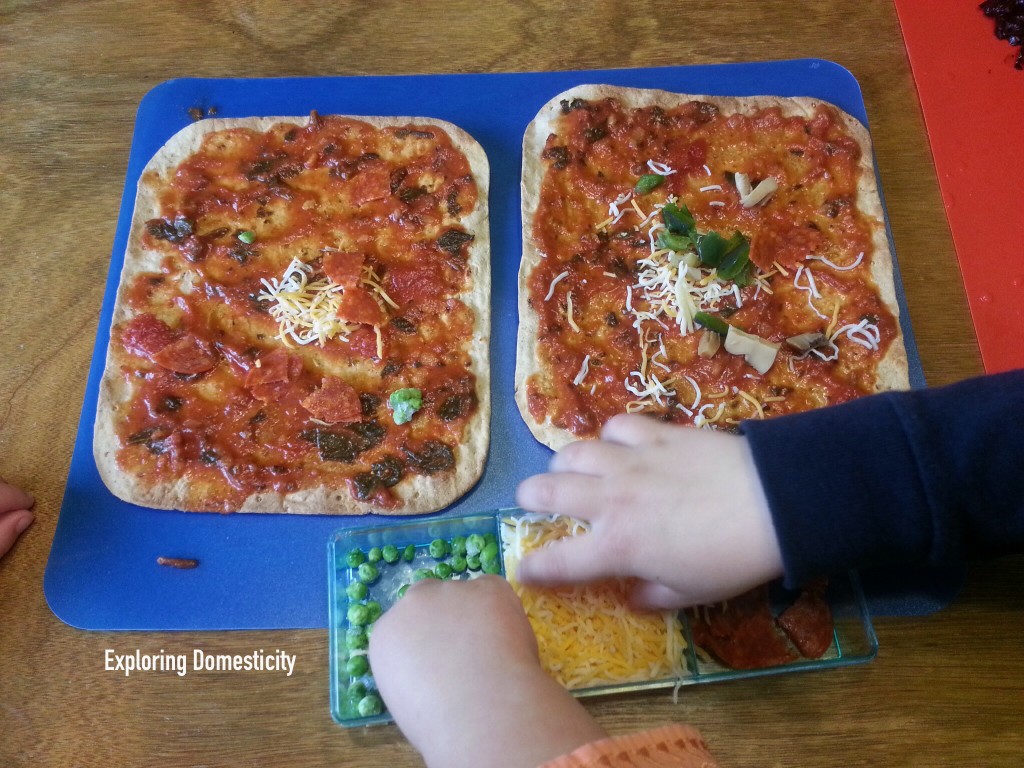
[703, 259]
[302, 321]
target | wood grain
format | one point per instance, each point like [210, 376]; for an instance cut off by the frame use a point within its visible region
[945, 690]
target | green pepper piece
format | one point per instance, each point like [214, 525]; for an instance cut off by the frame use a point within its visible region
[712, 323]
[357, 666]
[736, 257]
[356, 639]
[438, 549]
[356, 591]
[410, 553]
[648, 183]
[355, 558]
[370, 705]
[368, 573]
[247, 236]
[678, 219]
[358, 615]
[390, 554]
[673, 242]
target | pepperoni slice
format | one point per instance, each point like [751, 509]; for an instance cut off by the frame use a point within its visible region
[274, 376]
[186, 355]
[373, 182]
[344, 268]
[808, 624]
[145, 335]
[358, 306]
[742, 633]
[413, 285]
[336, 402]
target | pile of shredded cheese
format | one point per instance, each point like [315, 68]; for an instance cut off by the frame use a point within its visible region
[587, 636]
[305, 311]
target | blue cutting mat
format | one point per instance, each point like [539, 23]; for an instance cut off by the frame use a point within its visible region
[267, 571]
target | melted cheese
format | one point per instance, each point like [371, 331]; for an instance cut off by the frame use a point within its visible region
[586, 635]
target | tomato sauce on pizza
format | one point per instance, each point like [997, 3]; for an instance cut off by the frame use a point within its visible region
[302, 321]
[703, 259]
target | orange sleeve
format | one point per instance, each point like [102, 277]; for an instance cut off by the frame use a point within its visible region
[678, 746]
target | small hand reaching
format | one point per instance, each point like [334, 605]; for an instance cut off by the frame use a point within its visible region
[681, 510]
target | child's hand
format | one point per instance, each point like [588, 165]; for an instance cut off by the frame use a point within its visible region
[14, 515]
[681, 509]
[456, 663]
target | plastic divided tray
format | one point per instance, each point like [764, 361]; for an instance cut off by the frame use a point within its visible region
[353, 696]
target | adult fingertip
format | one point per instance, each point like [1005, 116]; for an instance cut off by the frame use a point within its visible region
[23, 522]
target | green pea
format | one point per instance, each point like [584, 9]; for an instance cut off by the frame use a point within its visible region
[490, 538]
[356, 690]
[490, 551]
[356, 639]
[474, 544]
[422, 573]
[458, 563]
[401, 591]
[368, 573]
[443, 571]
[356, 591]
[355, 558]
[473, 562]
[370, 705]
[357, 666]
[410, 553]
[358, 615]
[490, 565]
[438, 549]
[375, 610]
[374, 555]
[459, 546]
[390, 554]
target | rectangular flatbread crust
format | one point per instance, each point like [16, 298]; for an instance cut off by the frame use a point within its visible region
[416, 493]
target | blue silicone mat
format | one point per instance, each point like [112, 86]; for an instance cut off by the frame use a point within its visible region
[267, 571]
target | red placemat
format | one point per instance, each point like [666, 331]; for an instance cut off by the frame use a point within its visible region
[973, 104]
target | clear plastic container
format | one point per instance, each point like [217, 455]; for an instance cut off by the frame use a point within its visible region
[354, 701]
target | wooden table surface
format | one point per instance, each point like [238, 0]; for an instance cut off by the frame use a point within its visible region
[945, 690]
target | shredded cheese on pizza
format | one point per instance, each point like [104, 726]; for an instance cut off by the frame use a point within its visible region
[306, 311]
[586, 635]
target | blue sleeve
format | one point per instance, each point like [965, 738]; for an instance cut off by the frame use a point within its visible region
[930, 476]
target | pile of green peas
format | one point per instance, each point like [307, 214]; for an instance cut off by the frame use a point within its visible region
[454, 557]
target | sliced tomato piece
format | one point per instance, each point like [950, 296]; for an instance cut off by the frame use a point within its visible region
[336, 402]
[186, 355]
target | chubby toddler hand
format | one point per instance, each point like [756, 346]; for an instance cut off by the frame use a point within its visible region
[682, 510]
